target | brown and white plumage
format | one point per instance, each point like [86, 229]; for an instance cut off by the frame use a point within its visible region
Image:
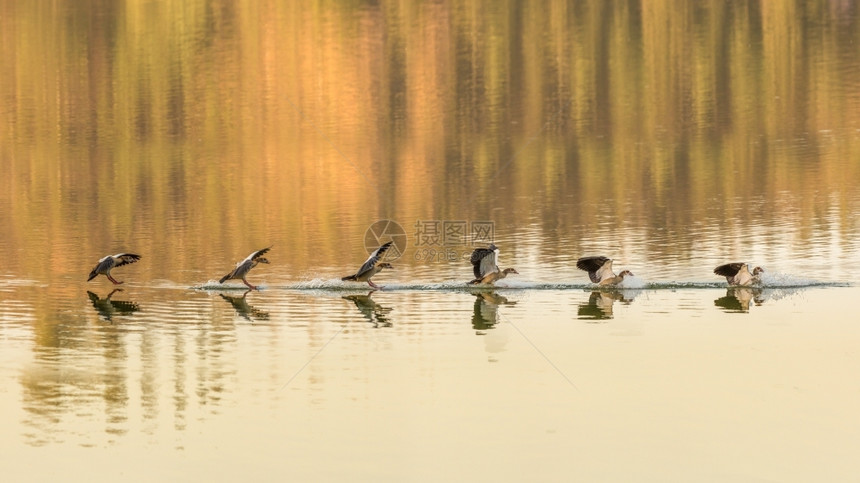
[485, 266]
[371, 267]
[738, 273]
[600, 270]
[106, 264]
[245, 266]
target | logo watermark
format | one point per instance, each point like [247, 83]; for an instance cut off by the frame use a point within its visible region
[384, 231]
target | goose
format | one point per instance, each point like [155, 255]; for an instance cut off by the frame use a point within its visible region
[485, 267]
[104, 266]
[245, 266]
[738, 273]
[600, 270]
[371, 267]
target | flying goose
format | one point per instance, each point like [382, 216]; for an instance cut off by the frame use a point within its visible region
[245, 266]
[600, 270]
[485, 267]
[104, 266]
[739, 273]
[371, 267]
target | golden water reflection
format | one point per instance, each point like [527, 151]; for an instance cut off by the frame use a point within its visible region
[659, 131]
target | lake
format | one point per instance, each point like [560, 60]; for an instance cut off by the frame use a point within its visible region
[671, 137]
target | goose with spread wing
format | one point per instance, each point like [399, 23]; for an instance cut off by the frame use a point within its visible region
[485, 266]
[106, 264]
[371, 267]
[738, 273]
[600, 270]
[245, 266]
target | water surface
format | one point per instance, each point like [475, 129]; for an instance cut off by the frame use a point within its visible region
[670, 137]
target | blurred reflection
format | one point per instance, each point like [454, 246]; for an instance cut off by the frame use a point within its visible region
[107, 308]
[600, 303]
[244, 309]
[374, 313]
[485, 315]
[737, 299]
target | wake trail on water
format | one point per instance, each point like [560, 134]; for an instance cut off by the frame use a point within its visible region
[769, 281]
[215, 286]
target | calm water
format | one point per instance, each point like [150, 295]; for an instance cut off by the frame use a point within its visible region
[670, 137]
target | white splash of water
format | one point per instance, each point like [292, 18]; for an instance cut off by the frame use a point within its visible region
[769, 279]
[632, 281]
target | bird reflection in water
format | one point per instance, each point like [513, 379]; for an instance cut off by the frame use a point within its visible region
[243, 308]
[485, 320]
[486, 310]
[375, 313]
[108, 308]
[737, 299]
[601, 302]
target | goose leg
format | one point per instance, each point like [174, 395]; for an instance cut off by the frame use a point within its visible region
[249, 285]
[112, 279]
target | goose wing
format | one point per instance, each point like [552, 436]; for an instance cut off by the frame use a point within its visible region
[125, 258]
[729, 269]
[483, 262]
[373, 259]
[254, 256]
[592, 265]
